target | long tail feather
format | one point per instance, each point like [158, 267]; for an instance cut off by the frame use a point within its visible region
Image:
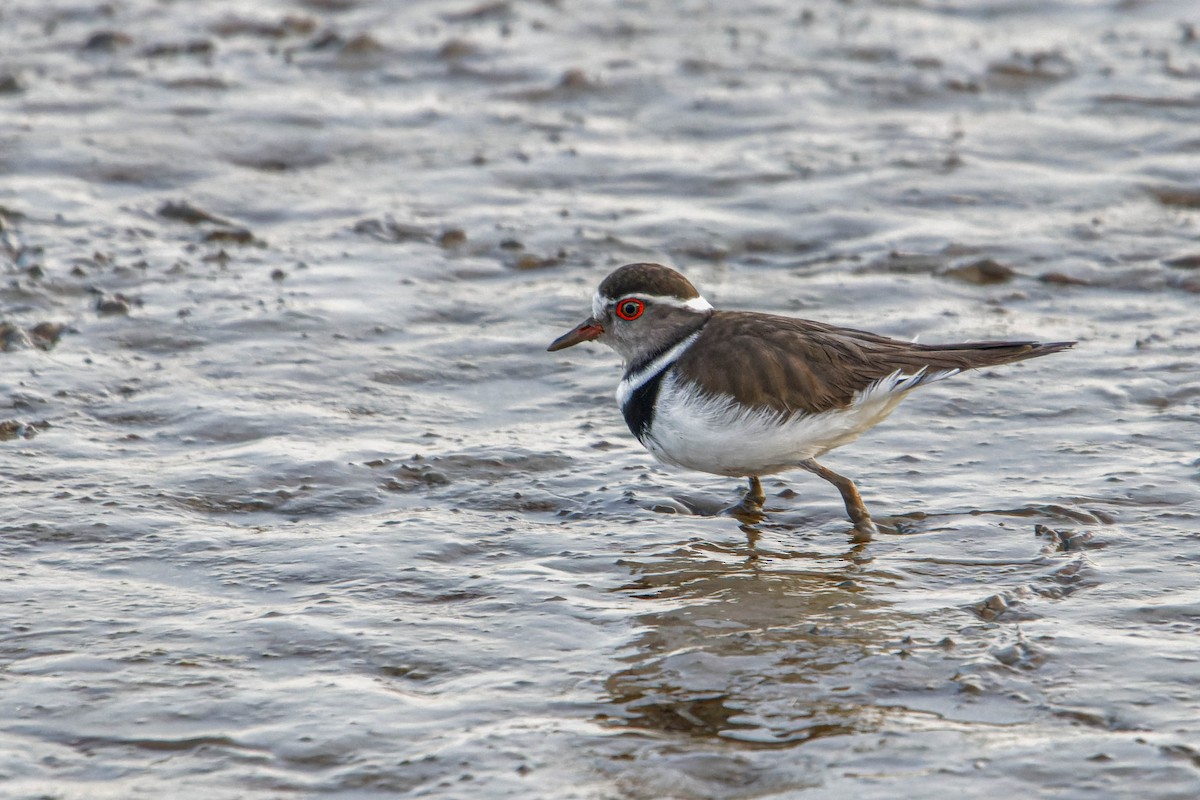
[972, 355]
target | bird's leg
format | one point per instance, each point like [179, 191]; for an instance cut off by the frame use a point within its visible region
[850, 496]
[755, 493]
[750, 508]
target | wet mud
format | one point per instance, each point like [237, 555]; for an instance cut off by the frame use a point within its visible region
[294, 502]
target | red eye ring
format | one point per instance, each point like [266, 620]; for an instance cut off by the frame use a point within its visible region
[630, 309]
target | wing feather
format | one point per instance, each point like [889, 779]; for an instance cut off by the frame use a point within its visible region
[796, 366]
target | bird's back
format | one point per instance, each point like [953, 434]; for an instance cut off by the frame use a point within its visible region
[792, 365]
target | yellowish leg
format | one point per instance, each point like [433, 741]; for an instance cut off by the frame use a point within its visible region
[750, 508]
[854, 505]
[755, 493]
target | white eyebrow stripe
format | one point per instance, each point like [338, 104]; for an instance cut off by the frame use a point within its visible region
[599, 304]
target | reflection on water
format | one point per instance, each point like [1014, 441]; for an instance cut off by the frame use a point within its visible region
[753, 646]
[294, 502]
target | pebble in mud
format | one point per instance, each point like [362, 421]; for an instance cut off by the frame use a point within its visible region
[15, 429]
[13, 337]
[195, 47]
[107, 41]
[116, 303]
[991, 608]
[290, 25]
[240, 236]
[161, 543]
[1018, 654]
[388, 230]
[186, 212]
[362, 44]
[1176, 196]
[1020, 69]
[43, 336]
[982, 273]
[452, 237]
[529, 261]
[576, 79]
[1184, 262]
[1066, 541]
[455, 49]
[1062, 279]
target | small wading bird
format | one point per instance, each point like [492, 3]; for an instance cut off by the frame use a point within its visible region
[745, 394]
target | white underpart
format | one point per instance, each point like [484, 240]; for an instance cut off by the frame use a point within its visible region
[600, 304]
[632, 383]
[698, 431]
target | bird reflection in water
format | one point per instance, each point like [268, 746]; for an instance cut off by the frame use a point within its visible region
[752, 644]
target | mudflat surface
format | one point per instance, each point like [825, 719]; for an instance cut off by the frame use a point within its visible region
[293, 503]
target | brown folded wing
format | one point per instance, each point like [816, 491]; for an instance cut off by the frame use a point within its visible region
[798, 366]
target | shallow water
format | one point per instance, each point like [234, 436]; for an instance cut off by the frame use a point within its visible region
[296, 504]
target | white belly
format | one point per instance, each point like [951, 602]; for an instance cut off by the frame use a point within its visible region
[711, 434]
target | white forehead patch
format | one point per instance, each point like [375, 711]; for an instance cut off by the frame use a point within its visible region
[600, 304]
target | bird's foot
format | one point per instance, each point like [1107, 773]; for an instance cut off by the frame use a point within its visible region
[864, 529]
[750, 508]
[746, 512]
[864, 526]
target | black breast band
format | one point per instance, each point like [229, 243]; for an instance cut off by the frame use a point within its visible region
[638, 410]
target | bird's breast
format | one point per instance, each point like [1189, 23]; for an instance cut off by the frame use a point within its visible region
[686, 427]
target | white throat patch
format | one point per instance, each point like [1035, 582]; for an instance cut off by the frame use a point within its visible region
[631, 383]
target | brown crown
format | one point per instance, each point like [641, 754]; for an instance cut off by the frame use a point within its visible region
[652, 279]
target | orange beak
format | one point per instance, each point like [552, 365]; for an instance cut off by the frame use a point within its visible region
[585, 331]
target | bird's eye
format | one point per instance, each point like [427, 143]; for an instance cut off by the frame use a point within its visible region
[630, 309]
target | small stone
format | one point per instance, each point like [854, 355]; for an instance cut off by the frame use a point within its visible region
[234, 236]
[1179, 197]
[362, 44]
[454, 49]
[1062, 279]
[1184, 262]
[982, 272]
[388, 230]
[529, 261]
[186, 212]
[575, 79]
[107, 41]
[45, 335]
[969, 684]
[991, 608]
[114, 304]
[195, 47]
[1008, 656]
[13, 337]
[452, 237]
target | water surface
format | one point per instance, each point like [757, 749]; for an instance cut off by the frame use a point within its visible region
[295, 503]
